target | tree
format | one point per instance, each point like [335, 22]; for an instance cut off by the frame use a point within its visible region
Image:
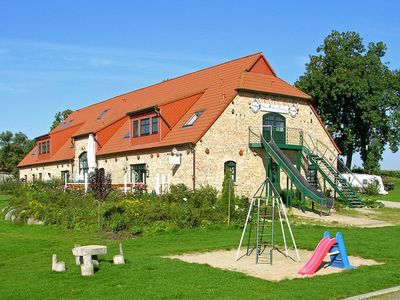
[100, 183]
[356, 94]
[13, 148]
[60, 117]
[228, 195]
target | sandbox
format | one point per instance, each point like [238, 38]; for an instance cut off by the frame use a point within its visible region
[283, 267]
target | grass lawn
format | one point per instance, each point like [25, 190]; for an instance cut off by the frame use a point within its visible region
[393, 195]
[25, 262]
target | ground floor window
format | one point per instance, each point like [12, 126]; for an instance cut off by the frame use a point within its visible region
[138, 173]
[83, 163]
[40, 177]
[65, 176]
[231, 167]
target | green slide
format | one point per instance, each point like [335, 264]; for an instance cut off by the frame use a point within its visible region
[298, 180]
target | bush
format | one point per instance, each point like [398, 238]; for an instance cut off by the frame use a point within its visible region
[371, 203]
[372, 188]
[389, 173]
[10, 186]
[133, 213]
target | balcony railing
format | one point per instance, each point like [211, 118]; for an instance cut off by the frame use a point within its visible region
[300, 137]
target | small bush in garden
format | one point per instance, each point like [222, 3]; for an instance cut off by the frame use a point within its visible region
[372, 203]
[372, 188]
[10, 186]
[160, 227]
[227, 201]
[339, 204]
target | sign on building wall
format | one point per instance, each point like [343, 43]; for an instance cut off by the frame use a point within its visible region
[267, 107]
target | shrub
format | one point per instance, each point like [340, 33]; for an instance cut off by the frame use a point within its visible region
[9, 186]
[389, 173]
[371, 203]
[227, 200]
[132, 213]
[372, 188]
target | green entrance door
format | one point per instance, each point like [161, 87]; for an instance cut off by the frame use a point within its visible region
[278, 123]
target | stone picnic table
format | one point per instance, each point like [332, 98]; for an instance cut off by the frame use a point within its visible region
[86, 256]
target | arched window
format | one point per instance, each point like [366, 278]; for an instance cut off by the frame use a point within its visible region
[278, 124]
[83, 164]
[230, 165]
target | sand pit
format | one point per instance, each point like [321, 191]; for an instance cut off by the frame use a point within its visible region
[282, 268]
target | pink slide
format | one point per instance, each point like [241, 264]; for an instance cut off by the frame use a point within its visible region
[318, 256]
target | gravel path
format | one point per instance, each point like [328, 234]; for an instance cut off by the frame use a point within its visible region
[391, 204]
[356, 221]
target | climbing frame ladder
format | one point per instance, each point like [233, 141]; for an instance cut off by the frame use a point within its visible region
[261, 214]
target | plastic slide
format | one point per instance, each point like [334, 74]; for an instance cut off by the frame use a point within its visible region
[318, 256]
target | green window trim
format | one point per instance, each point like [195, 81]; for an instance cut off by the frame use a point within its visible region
[138, 173]
[83, 163]
[230, 165]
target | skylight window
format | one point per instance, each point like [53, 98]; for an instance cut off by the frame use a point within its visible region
[66, 123]
[102, 114]
[193, 118]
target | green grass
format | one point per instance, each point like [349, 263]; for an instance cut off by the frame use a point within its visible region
[393, 195]
[25, 260]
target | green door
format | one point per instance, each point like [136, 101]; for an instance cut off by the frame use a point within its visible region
[278, 123]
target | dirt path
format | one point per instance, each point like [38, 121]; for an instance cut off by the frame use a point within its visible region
[391, 204]
[356, 221]
[282, 268]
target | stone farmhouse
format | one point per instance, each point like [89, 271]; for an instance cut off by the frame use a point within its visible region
[186, 130]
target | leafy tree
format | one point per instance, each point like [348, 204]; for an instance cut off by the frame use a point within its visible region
[13, 147]
[60, 117]
[356, 94]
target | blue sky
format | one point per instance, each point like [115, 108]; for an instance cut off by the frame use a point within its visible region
[56, 55]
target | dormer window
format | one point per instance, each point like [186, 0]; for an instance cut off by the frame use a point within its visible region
[145, 126]
[154, 125]
[44, 147]
[135, 128]
[193, 118]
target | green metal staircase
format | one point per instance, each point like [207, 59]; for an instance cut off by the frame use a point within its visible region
[336, 180]
[317, 154]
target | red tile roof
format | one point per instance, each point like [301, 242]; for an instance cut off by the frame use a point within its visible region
[216, 87]
[269, 84]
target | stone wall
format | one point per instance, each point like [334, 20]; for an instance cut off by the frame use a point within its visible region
[158, 166]
[228, 139]
[53, 169]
